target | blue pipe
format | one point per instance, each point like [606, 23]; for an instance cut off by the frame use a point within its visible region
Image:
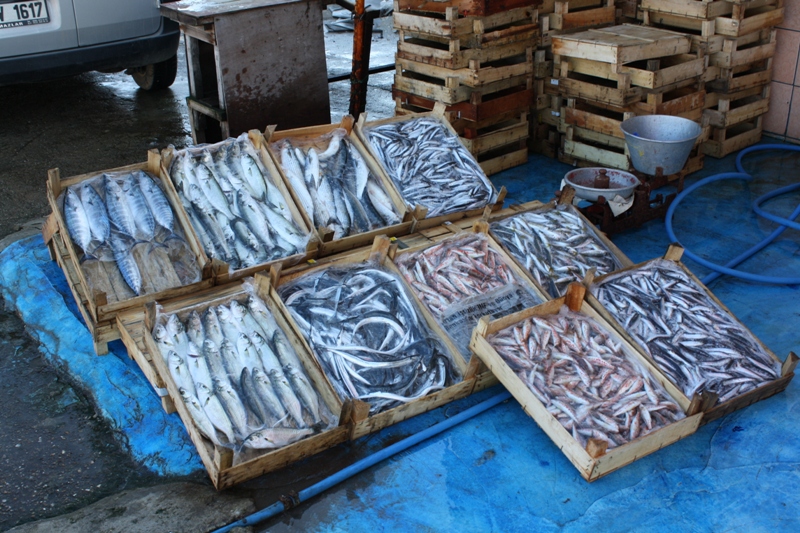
[369, 461]
[784, 223]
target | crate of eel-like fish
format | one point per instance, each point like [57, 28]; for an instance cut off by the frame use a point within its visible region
[594, 394]
[432, 171]
[372, 340]
[555, 245]
[242, 216]
[247, 392]
[124, 240]
[684, 330]
[463, 278]
[338, 186]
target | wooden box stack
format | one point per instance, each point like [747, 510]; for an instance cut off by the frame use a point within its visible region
[739, 38]
[608, 75]
[476, 58]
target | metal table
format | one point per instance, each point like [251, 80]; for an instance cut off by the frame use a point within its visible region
[252, 63]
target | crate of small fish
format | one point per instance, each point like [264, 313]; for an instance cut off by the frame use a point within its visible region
[339, 187]
[556, 245]
[684, 330]
[463, 278]
[591, 391]
[251, 399]
[371, 339]
[125, 241]
[242, 216]
[433, 172]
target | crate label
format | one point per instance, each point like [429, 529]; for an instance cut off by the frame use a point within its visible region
[554, 81]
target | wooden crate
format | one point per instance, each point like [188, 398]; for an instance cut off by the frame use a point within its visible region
[478, 8]
[697, 9]
[582, 14]
[748, 49]
[421, 212]
[218, 460]
[686, 102]
[616, 93]
[326, 245]
[222, 271]
[100, 307]
[701, 31]
[750, 17]
[594, 461]
[726, 110]
[473, 380]
[621, 44]
[744, 77]
[650, 74]
[725, 141]
[471, 32]
[712, 411]
[479, 108]
[452, 55]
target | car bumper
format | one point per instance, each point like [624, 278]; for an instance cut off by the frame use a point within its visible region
[107, 56]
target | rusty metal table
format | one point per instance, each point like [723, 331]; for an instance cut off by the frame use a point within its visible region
[252, 63]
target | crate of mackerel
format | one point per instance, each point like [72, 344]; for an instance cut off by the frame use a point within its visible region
[125, 241]
[242, 216]
[376, 346]
[432, 171]
[249, 396]
[466, 277]
[690, 335]
[590, 390]
[337, 185]
[556, 245]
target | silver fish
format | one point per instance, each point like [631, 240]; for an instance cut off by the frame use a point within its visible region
[199, 416]
[156, 201]
[125, 262]
[95, 212]
[78, 224]
[212, 406]
[275, 437]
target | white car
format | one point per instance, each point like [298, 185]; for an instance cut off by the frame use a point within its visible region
[46, 39]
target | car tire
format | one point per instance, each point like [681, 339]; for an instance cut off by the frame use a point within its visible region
[156, 76]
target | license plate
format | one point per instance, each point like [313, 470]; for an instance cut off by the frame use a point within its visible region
[15, 14]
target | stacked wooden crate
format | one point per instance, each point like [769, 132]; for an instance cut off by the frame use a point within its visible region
[608, 75]
[476, 58]
[558, 17]
[739, 38]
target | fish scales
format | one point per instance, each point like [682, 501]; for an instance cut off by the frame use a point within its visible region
[430, 166]
[368, 335]
[556, 247]
[694, 342]
[243, 389]
[592, 394]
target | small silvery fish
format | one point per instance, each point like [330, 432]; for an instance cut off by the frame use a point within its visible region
[78, 224]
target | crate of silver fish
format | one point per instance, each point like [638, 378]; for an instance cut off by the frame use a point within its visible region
[337, 186]
[597, 398]
[684, 330]
[249, 395]
[556, 245]
[432, 171]
[124, 238]
[463, 278]
[241, 214]
[371, 339]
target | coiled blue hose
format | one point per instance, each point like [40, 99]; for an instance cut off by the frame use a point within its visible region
[729, 268]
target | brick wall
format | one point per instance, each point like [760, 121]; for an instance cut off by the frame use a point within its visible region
[783, 118]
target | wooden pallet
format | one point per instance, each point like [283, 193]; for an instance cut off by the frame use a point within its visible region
[620, 45]
[725, 141]
[479, 8]
[712, 410]
[582, 14]
[726, 110]
[595, 460]
[745, 50]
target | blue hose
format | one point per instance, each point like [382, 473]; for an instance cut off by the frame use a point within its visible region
[729, 267]
[369, 461]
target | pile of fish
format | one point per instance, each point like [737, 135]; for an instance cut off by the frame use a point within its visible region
[454, 270]
[430, 166]
[584, 378]
[240, 216]
[556, 246]
[239, 376]
[125, 227]
[335, 186]
[693, 341]
[367, 334]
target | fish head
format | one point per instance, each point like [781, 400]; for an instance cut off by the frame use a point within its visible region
[160, 333]
[224, 313]
[193, 350]
[210, 346]
[243, 342]
[257, 339]
[175, 360]
[174, 325]
[237, 310]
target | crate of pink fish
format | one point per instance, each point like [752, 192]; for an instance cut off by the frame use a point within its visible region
[124, 242]
[685, 331]
[597, 398]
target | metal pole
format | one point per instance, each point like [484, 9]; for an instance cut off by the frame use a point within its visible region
[362, 42]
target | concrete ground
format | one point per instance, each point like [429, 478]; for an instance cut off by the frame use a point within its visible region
[64, 468]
